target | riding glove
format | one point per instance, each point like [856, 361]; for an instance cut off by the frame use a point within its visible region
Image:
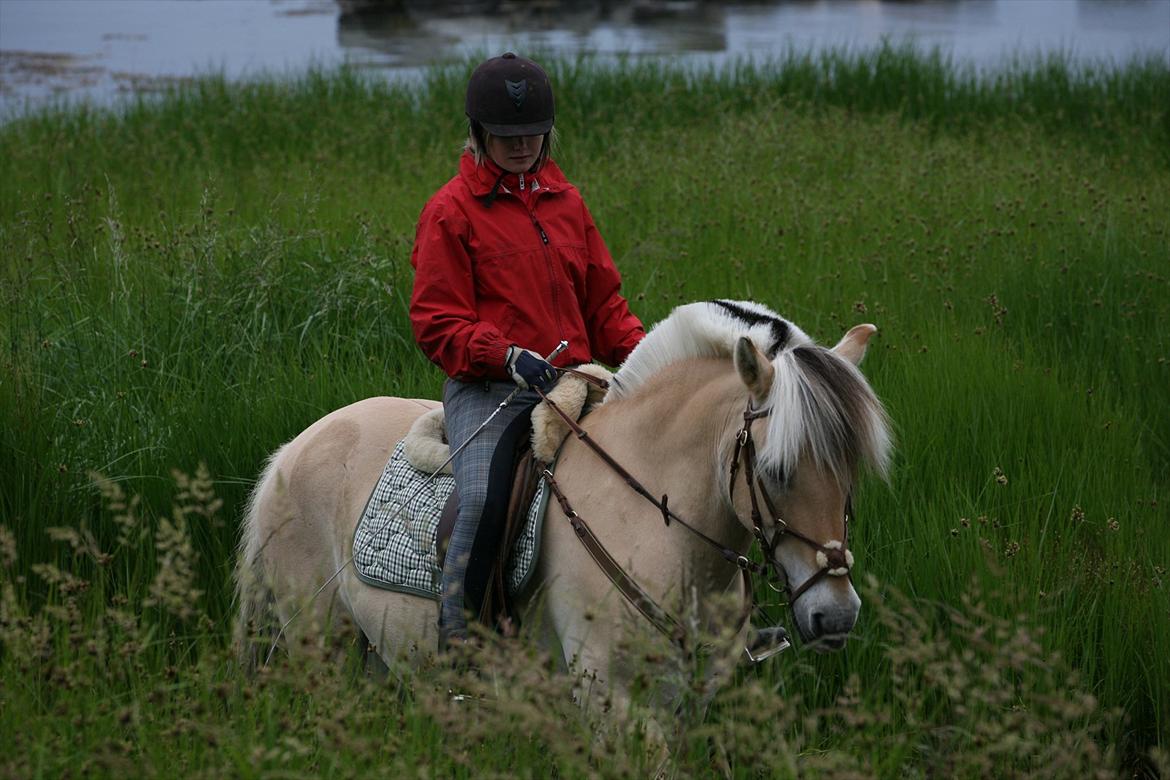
[529, 370]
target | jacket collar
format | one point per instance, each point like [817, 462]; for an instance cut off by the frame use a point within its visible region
[481, 178]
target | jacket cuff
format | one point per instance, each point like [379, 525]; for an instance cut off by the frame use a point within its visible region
[489, 354]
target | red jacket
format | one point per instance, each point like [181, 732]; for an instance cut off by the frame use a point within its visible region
[530, 270]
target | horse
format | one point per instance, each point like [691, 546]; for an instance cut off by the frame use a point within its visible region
[718, 394]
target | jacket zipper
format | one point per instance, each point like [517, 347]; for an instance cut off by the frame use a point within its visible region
[549, 264]
[539, 229]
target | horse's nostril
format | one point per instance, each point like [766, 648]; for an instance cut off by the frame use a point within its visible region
[817, 628]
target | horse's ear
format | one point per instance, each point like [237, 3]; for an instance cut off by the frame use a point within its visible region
[852, 344]
[754, 369]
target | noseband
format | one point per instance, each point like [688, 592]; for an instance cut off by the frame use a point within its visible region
[833, 557]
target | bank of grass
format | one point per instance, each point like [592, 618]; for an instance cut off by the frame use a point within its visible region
[196, 279]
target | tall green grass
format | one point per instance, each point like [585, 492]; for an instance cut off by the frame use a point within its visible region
[195, 279]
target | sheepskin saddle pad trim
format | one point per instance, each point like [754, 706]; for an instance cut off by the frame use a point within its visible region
[426, 444]
[394, 544]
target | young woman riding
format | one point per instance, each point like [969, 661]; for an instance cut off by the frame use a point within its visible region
[508, 263]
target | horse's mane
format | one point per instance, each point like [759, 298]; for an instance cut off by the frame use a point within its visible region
[821, 404]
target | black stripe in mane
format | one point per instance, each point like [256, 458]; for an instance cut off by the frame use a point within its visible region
[779, 327]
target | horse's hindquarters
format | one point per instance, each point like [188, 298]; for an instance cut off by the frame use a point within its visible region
[300, 526]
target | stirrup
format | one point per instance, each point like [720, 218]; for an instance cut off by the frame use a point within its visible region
[765, 643]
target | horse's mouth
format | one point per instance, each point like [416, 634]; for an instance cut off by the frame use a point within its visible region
[828, 644]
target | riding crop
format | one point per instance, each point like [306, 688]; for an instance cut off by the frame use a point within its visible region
[561, 347]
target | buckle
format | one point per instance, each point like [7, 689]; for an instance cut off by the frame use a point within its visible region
[761, 537]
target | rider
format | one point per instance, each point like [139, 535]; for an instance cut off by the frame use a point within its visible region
[508, 262]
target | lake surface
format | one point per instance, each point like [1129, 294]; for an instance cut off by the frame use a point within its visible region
[100, 49]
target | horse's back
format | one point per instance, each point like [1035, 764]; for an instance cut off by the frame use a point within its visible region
[333, 465]
[384, 419]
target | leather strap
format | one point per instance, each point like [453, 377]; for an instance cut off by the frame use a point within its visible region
[728, 554]
[596, 381]
[837, 556]
[633, 592]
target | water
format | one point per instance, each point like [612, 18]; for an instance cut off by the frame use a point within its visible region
[100, 49]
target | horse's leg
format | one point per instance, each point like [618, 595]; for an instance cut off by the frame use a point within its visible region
[589, 619]
[603, 686]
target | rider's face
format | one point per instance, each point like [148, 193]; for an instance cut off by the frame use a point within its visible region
[515, 154]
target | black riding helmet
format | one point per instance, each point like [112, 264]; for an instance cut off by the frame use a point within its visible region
[509, 96]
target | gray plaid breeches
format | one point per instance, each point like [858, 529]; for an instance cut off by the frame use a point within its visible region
[466, 406]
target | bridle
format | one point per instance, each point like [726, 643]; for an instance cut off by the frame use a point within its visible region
[833, 557]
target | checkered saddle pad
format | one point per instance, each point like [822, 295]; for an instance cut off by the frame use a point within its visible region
[397, 551]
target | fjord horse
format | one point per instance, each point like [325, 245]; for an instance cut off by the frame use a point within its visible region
[677, 415]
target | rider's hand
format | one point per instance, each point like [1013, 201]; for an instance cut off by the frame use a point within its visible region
[529, 370]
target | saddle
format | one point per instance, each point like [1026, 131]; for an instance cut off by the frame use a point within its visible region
[426, 447]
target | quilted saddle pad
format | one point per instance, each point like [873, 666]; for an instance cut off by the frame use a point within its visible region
[394, 544]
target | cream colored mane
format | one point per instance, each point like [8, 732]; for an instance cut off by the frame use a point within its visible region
[821, 404]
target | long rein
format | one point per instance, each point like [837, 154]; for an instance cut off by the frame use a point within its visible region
[634, 593]
[833, 557]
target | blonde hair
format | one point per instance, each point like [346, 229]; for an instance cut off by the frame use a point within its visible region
[477, 140]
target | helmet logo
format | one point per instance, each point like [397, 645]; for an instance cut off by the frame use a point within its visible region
[517, 90]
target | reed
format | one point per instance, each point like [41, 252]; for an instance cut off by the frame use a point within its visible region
[190, 281]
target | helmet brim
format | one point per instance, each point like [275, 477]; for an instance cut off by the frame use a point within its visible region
[510, 131]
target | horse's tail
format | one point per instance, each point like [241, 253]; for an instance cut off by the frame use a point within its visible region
[256, 619]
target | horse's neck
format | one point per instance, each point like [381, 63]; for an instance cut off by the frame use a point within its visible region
[672, 435]
[687, 403]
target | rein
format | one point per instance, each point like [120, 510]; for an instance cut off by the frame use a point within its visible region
[639, 598]
[833, 557]
[596, 381]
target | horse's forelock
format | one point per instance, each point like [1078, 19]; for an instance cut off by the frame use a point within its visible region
[822, 406]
